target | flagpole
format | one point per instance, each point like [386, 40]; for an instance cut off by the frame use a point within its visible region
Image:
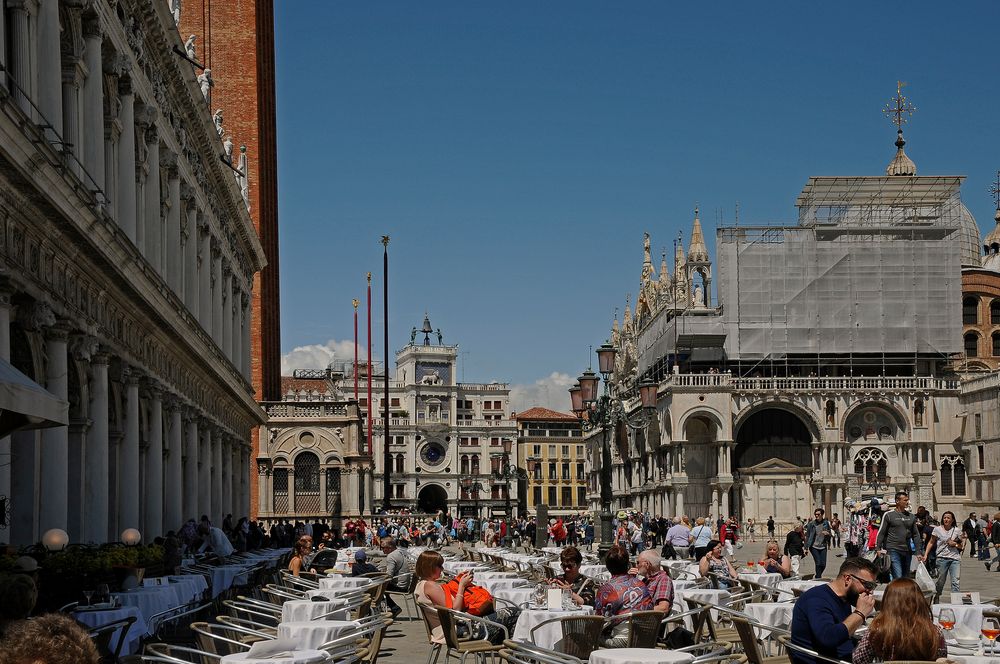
[386, 457]
[370, 405]
[355, 302]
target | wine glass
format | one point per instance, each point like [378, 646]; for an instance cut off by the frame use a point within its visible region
[947, 618]
[991, 630]
[540, 591]
[88, 594]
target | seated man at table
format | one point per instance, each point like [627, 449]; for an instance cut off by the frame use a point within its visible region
[580, 587]
[622, 594]
[658, 583]
[361, 565]
[395, 567]
[826, 617]
[214, 539]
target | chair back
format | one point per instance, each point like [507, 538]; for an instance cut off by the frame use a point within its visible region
[249, 631]
[173, 653]
[103, 635]
[581, 635]
[218, 639]
[448, 626]
[749, 640]
[644, 628]
[522, 652]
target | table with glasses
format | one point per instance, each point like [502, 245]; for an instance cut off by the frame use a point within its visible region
[772, 614]
[97, 618]
[517, 596]
[968, 615]
[294, 657]
[302, 610]
[550, 635]
[150, 601]
[339, 581]
[761, 578]
[190, 587]
[639, 656]
[314, 633]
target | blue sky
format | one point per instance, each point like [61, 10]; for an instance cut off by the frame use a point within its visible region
[516, 152]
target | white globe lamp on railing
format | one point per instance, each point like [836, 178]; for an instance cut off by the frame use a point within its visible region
[55, 539]
[131, 537]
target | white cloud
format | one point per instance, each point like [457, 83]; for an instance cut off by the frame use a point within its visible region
[318, 356]
[549, 392]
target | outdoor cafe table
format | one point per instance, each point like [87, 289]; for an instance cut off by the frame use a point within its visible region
[314, 633]
[550, 635]
[341, 581]
[461, 565]
[701, 594]
[772, 614]
[517, 596]
[294, 657]
[97, 618]
[190, 587]
[762, 578]
[302, 610]
[495, 584]
[797, 584]
[150, 601]
[492, 574]
[225, 576]
[639, 656]
[969, 615]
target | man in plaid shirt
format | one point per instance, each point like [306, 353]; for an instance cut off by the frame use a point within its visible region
[658, 583]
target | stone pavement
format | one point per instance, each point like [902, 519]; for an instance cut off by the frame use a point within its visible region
[406, 640]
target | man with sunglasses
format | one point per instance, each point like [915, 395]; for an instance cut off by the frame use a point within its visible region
[826, 617]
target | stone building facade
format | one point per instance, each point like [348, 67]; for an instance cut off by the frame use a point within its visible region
[825, 372]
[551, 450]
[128, 258]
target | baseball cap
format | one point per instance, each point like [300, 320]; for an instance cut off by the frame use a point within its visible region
[360, 556]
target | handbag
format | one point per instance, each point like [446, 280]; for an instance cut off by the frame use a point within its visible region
[882, 562]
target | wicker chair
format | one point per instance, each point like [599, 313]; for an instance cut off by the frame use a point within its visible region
[644, 628]
[521, 652]
[751, 647]
[463, 647]
[172, 653]
[103, 635]
[581, 635]
[218, 639]
[786, 641]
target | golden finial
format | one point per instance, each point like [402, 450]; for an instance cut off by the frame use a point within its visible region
[995, 190]
[899, 107]
[355, 302]
[369, 278]
[385, 240]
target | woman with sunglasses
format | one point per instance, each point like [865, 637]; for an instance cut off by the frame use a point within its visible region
[719, 565]
[903, 628]
[580, 587]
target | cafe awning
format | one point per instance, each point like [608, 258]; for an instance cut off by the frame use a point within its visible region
[24, 404]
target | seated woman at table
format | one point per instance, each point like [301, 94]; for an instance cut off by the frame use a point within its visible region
[623, 594]
[903, 629]
[580, 587]
[775, 562]
[49, 638]
[719, 565]
[429, 568]
[298, 562]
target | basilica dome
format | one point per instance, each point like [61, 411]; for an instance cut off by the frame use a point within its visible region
[968, 237]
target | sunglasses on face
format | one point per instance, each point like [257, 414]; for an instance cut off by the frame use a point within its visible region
[568, 565]
[869, 585]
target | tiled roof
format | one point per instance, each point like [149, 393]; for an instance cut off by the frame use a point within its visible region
[539, 413]
[308, 384]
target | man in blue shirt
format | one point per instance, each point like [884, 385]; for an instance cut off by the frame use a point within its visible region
[825, 617]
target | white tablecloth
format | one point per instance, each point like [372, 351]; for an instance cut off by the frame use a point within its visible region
[773, 614]
[709, 595]
[151, 600]
[94, 619]
[190, 587]
[492, 574]
[343, 581]
[516, 595]
[639, 656]
[548, 636]
[762, 578]
[789, 586]
[493, 585]
[296, 657]
[314, 633]
[226, 576]
[969, 615]
[459, 565]
[302, 610]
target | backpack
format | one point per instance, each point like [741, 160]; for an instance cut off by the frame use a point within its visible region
[478, 600]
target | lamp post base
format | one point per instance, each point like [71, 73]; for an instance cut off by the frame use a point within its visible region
[607, 534]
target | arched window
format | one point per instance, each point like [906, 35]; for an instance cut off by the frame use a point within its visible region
[996, 344]
[333, 502]
[970, 311]
[995, 312]
[475, 464]
[971, 344]
[871, 463]
[307, 482]
[464, 464]
[952, 475]
[400, 463]
[279, 484]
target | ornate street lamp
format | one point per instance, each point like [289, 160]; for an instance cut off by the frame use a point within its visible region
[606, 412]
[507, 473]
[472, 487]
[55, 539]
[131, 537]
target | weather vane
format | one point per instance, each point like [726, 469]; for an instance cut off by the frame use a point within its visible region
[899, 107]
[995, 190]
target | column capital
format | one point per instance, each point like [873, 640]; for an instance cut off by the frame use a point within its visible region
[172, 403]
[125, 88]
[188, 194]
[30, 6]
[92, 25]
[154, 387]
[168, 161]
[36, 316]
[146, 116]
[59, 331]
[131, 376]
[84, 347]
[191, 414]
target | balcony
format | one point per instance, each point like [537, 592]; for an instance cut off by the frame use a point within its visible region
[304, 411]
[978, 383]
[487, 424]
[725, 381]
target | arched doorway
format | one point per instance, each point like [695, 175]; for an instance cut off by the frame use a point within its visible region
[432, 498]
[773, 459]
[700, 462]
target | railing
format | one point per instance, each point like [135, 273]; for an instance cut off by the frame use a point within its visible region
[813, 383]
[510, 424]
[303, 411]
[488, 387]
[393, 422]
[980, 382]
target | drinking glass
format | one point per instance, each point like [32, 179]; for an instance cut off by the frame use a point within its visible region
[540, 595]
[947, 618]
[88, 594]
[104, 592]
[991, 630]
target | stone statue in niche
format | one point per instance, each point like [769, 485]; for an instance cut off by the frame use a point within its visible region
[699, 296]
[918, 413]
[227, 145]
[206, 83]
[217, 120]
[831, 413]
[189, 47]
[175, 9]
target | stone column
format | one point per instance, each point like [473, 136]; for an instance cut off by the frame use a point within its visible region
[205, 278]
[151, 192]
[679, 501]
[264, 491]
[5, 486]
[53, 505]
[236, 297]
[226, 310]
[128, 460]
[725, 501]
[22, 50]
[189, 239]
[204, 471]
[192, 489]
[172, 255]
[715, 502]
[216, 474]
[93, 101]
[153, 497]
[227, 476]
[49, 94]
[246, 336]
[95, 490]
[71, 79]
[217, 292]
[126, 160]
[173, 509]
[112, 135]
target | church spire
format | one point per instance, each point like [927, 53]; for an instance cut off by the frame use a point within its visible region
[664, 270]
[899, 110]
[647, 261]
[698, 252]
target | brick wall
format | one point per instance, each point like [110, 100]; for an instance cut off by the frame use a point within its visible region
[236, 41]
